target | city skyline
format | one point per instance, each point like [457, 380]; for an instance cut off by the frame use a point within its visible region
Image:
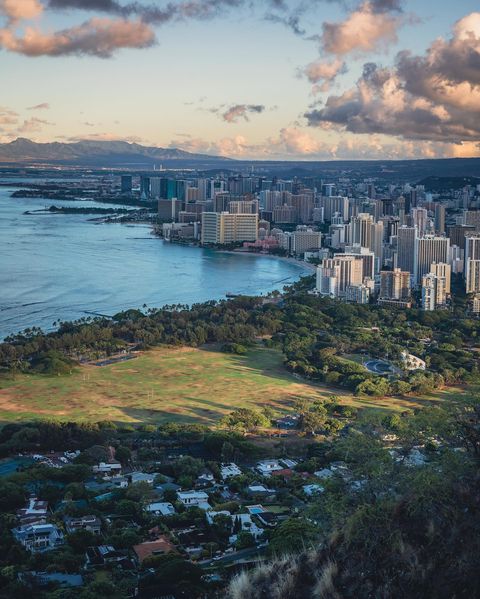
[280, 80]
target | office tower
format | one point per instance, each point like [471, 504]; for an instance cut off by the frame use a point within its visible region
[439, 219]
[155, 188]
[406, 237]
[270, 199]
[472, 262]
[144, 187]
[202, 185]
[305, 241]
[413, 197]
[429, 249]
[443, 271]
[371, 192]
[335, 274]
[420, 220]
[126, 183]
[318, 215]
[169, 209]
[180, 190]
[224, 228]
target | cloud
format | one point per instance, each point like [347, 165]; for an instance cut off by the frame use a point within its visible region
[323, 73]
[433, 97]
[17, 10]
[238, 112]
[297, 143]
[370, 26]
[42, 106]
[8, 116]
[104, 136]
[97, 37]
[32, 125]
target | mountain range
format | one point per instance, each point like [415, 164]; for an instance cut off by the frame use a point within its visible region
[98, 154]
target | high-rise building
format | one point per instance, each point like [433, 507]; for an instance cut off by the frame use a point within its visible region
[367, 257]
[472, 263]
[305, 241]
[221, 228]
[126, 184]
[457, 234]
[443, 271]
[144, 187]
[345, 271]
[434, 293]
[364, 231]
[472, 217]
[333, 204]
[439, 219]
[395, 285]
[420, 220]
[429, 249]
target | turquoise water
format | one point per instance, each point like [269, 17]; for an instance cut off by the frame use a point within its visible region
[60, 267]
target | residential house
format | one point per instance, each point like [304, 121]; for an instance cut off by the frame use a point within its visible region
[90, 523]
[108, 468]
[39, 537]
[34, 512]
[160, 546]
[229, 470]
[266, 467]
[194, 498]
[160, 508]
[102, 555]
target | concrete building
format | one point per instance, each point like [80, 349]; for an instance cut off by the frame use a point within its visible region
[429, 249]
[221, 228]
[472, 263]
[305, 240]
[335, 274]
[395, 285]
[434, 293]
[406, 237]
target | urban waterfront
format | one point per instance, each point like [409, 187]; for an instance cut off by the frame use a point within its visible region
[62, 267]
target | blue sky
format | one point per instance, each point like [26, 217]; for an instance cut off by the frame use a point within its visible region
[236, 83]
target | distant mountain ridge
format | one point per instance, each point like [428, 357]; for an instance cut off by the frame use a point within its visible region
[90, 152]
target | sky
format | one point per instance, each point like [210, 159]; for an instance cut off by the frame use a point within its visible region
[249, 79]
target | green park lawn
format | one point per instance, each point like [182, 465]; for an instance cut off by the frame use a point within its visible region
[182, 384]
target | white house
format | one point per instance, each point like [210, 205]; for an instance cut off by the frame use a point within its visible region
[193, 498]
[248, 524]
[266, 467]
[35, 511]
[141, 477]
[228, 470]
[38, 537]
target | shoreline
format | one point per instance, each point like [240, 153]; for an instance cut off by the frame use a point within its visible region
[301, 263]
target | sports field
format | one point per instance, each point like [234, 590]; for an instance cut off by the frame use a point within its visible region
[184, 384]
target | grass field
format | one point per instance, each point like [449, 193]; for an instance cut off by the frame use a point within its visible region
[186, 385]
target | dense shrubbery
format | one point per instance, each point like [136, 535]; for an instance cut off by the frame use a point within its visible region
[389, 528]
